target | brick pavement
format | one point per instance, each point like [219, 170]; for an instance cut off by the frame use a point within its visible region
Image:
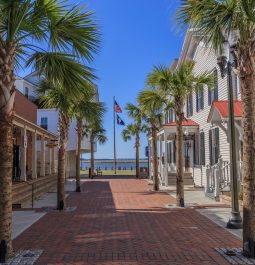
[118, 221]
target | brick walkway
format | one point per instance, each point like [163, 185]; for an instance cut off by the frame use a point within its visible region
[119, 221]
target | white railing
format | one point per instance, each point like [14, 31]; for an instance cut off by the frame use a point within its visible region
[218, 177]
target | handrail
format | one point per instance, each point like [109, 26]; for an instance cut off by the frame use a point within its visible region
[33, 184]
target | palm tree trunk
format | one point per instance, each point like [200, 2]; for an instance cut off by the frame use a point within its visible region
[64, 122]
[247, 89]
[78, 155]
[155, 159]
[92, 160]
[179, 160]
[7, 96]
[137, 155]
[6, 154]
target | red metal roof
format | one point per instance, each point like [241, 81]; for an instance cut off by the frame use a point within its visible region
[187, 122]
[222, 107]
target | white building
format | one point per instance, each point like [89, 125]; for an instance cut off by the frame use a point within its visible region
[206, 144]
[48, 119]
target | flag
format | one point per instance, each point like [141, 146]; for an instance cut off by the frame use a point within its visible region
[120, 121]
[117, 107]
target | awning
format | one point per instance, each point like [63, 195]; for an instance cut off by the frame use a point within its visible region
[219, 111]
[187, 122]
[188, 126]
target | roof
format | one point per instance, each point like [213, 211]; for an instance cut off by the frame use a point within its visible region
[187, 122]
[221, 108]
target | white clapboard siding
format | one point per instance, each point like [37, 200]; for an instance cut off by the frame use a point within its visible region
[206, 60]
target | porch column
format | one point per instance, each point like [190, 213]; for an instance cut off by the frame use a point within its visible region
[165, 161]
[49, 161]
[42, 158]
[53, 170]
[34, 155]
[23, 158]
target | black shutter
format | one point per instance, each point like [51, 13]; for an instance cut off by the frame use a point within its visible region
[209, 96]
[187, 106]
[217, 144]
[215, 84]
[174, 153]
[194, 151]
[191, 105]
[202, 98]
[202, 148]
[210, 148]
[197, 104]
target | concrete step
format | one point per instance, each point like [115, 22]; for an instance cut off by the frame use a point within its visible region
[187, 178]
[22, 192]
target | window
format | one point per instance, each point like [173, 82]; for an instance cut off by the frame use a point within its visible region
[169, 116]
[26, 92]
[44, 123]
[200, 98]
[213, 92]
[189, 105]
[214, 145]
[202, 149]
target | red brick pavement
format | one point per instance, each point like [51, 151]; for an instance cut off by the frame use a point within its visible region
[120, 222]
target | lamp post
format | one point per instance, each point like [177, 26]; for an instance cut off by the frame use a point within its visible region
[225, 65]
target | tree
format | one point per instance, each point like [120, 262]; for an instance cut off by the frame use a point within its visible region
[96, 133]
[54, 95]
[134, 129]
[24, 24]
[86, 109]
[217, 20]
[177, 85]
[151, 103]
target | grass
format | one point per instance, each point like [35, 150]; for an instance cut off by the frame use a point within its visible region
[111, 172]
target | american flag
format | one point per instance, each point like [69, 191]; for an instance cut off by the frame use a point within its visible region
[117, 107]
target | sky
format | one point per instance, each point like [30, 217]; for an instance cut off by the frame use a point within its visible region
[136, 34]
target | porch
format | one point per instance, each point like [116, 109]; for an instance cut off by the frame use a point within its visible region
[34, 151]
[167, 152]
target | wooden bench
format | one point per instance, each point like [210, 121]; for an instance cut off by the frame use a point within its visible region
[99, 172]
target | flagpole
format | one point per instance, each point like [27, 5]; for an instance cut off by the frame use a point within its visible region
[114, 134]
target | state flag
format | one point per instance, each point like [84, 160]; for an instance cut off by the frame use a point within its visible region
[120, 121]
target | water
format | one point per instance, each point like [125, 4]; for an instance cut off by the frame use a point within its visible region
[109, 165]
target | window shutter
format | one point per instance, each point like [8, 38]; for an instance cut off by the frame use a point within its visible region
[187, 106]
[197, 103]
[194, 151]
[174, 153]
[217, 144]
[202, 148]
[191, 104]
[202, 98]
[209, 96]
[210, 148]
[215, 84]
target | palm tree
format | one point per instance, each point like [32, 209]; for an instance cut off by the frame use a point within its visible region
[151, 103]
[86, 109]
[97, 134]
[54, 95]
[217, 20]
[177, 85]
[134, 129]
[23, 25]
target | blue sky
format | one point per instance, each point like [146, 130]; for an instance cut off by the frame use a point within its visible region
[136, 34]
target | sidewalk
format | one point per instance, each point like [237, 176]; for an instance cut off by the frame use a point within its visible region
[25, 217]
[119, 221]
[217, 212]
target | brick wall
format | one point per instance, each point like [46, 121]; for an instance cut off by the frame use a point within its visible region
[25, 108]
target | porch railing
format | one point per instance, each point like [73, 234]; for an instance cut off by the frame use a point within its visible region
[218, 177]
